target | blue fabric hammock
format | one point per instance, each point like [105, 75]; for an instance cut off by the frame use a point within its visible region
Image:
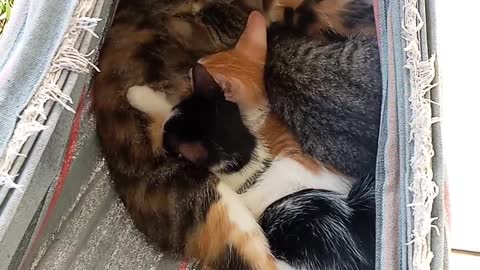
[57, 209]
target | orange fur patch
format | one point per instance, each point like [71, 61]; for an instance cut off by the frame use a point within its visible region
[282, 143]
[329, 13]
[156, 133]
[235, 65]
[213, 238]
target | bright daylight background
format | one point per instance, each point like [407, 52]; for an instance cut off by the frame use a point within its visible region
[459, 59]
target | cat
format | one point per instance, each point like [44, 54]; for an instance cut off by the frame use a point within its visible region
[182, 208]
[310, 218]
[349, 137]
[339, 87]
[317, 17]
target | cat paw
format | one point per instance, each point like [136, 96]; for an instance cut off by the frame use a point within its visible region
[146, 100]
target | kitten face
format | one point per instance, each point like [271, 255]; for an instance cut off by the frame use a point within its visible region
[207, 129]
[240, 71]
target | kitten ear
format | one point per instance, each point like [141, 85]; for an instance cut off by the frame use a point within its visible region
[207, 84]
[253, 41]
[203, 82]
[231, 87]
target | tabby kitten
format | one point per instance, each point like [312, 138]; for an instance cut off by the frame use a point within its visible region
[309, 216]
[180, 207]
[349, 136]
[339, 88]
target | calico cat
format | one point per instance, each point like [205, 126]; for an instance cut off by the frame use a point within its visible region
[317, 17]
[180, 207]
[309, 216]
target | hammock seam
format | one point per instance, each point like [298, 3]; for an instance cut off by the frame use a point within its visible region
[422, 188]
[67, 58]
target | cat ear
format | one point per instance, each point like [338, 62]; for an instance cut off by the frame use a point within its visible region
[231, 87]
[203, 82]
[253, 41]
[207, 84]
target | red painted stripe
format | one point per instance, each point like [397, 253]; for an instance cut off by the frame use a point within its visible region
[67, 163]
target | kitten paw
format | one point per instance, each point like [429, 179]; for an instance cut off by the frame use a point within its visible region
[146, 100]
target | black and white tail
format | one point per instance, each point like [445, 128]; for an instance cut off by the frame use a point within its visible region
[319, 229]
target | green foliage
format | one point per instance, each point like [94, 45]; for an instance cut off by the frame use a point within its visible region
[5, 12]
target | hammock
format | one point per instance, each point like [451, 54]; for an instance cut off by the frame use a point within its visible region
[57, 209]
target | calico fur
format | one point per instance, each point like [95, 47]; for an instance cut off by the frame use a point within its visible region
[315, 18]
[180, 207]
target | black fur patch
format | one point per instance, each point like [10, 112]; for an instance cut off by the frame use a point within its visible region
[151, 54]
[306, 15]
[232, 260]
[318, 229]
[207, 119]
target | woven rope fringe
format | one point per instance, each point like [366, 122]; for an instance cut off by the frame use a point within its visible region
[68, 58]
[423, 189]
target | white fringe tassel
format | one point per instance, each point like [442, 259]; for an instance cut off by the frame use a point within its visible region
[68, 58]
[422, 188]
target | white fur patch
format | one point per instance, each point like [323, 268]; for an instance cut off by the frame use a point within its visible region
[237, 212]
[286, 176]
[146, 100]
[281, 265]
[245, 222]
[236, 180]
